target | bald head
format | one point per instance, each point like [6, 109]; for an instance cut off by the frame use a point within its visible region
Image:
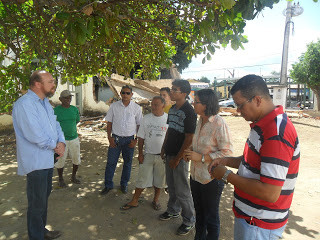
[42, 83]
[36, 77]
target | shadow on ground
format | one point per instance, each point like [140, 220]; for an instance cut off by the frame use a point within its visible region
[80, 213]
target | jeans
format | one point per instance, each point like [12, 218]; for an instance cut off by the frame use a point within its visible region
[113, 157]
[180, 198]
[245, 231]
[39, 186]
[206, 198]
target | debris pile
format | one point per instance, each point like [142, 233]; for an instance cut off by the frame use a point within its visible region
[228, 111]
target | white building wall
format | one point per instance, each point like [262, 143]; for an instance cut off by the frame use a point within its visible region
[88, 103]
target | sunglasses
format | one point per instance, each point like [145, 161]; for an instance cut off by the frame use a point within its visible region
[128, 93]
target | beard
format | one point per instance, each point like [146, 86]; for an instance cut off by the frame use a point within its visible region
[49, 94]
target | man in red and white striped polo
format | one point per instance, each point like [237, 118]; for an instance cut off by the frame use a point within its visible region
[268, 168]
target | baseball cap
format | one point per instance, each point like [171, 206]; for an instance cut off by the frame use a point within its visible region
[65, 93]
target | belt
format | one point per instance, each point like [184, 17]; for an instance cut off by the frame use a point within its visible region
[114, 135]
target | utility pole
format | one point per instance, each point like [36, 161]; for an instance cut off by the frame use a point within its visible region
[280, 92]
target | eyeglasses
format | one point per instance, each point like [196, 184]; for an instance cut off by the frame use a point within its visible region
[240, 106]
[128, 93]
[196, 102]
[175, 90]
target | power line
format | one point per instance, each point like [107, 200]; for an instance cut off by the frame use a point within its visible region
[217, 69]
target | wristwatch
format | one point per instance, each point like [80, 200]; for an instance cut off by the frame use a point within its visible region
[225, 176]
[202, 159]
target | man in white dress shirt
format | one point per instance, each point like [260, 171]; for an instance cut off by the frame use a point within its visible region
[123, 121]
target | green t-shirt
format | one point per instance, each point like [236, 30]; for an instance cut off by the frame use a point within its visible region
[68, 119]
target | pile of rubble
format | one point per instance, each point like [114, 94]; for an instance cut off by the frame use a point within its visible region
[227, 111]
[97, 123]
[93, 123]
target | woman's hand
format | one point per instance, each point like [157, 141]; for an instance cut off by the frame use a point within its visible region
[191, 155]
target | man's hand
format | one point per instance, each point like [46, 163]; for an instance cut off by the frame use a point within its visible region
[133, 143]
[140, 158]
[112, 143]
[162, 154]
[216, 162]
[174, 162]
[218, 172]
[60, 149]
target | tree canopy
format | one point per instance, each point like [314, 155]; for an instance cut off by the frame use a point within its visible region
[76, 38]
[204, 79]
[307, 70]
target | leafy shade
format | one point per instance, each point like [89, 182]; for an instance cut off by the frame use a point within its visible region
[78, 38]
[307, 70]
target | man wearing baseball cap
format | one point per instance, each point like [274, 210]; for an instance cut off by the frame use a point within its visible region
[68, 117]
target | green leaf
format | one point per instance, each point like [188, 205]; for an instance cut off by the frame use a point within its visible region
[90, 25]
[228, 4]
[107, 30]
[63, 15]
[211, 49]
[234, 44]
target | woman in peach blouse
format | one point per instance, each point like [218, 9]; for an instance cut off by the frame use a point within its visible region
[211, 140]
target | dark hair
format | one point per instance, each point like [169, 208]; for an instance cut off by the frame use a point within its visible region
[209, 98]
[36, 77]
[161, 98]
[126, 86]
[165, 89]
[184, 85]
[250, 86]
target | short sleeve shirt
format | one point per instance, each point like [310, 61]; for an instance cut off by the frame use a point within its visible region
[181, 121]
[124, 118]
[153, 130]
[68, 119]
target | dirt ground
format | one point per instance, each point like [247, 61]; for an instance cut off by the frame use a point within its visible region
[81, 214]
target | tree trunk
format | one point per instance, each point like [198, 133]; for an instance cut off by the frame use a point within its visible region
[316, 91]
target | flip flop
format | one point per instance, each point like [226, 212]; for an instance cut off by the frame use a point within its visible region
[156, 206]
[127, 207]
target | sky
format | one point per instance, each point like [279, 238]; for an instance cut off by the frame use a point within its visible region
[263, 53]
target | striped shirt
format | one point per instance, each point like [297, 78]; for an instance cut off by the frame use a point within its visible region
[271, 155]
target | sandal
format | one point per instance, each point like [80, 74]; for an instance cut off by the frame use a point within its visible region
[156, 206]
[127, 207]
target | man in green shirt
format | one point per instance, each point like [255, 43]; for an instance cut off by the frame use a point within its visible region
[68, 117]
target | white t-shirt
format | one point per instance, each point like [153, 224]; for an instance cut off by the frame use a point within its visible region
[153, 130]
[124, 118]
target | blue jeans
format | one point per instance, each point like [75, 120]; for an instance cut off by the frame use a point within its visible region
[206, 198]
[113, 157]
[245, 231]
[39, 186]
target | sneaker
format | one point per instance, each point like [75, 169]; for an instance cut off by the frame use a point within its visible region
[52, 235]
[184, 229]
[166, 216]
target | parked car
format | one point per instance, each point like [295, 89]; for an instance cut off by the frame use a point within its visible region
[227, 103]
